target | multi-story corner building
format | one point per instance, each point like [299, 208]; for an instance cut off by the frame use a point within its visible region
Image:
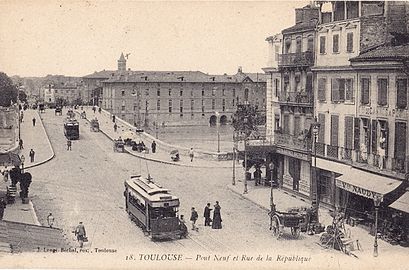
[295, 100]
[149, 98]
[360, 104]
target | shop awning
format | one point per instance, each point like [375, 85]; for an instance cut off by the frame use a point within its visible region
[402, 204]
[332, 166]
[366, 184]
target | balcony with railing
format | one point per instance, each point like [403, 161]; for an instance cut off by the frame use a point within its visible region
[296, 98]
[292, 142]
[362, 159]
[296, 59]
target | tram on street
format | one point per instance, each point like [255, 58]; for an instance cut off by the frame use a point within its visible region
[71, 129]
[153, 208]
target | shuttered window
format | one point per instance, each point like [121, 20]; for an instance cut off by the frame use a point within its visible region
[349, 129]
[402, 93]
[349, 90]
[308, 83]
[334, 90]
[357, 133]
[365, 85]
[334, 130]
[382, 92]
[350, 42]
[374, 140]
[286, 124]
[400, 140]
[335, 43]
[321, 131]
[341, 89]
[322, 44]
[297, 125]
[322, 89]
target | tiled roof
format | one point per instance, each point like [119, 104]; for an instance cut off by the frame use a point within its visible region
[304, 26]
[177, 76]
[101, 74]
[385, 52]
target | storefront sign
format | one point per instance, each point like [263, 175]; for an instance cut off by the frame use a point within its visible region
[292, 153]
[358, 190]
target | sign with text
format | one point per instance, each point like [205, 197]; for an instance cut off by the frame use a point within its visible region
[292, 153]
[358, 190]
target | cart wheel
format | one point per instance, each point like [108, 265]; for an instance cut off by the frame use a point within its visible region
[295, 231]
[275, 226]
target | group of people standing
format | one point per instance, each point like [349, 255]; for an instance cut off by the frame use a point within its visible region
[215, 223]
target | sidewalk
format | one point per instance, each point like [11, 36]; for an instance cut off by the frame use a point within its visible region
[162, 155]
[37, 139]
[283, 200]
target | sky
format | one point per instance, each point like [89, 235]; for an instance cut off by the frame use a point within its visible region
[76, 38]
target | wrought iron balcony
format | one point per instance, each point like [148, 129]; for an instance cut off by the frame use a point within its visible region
[296, 59]
[292, 142]
[296, 98]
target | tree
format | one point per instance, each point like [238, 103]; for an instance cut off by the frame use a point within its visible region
[246, 120]
[8, 91]
[22, 96]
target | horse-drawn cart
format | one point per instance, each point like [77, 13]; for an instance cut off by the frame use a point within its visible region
[119, 145]
[294, 219]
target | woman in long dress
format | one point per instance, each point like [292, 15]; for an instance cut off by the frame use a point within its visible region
[217, 218]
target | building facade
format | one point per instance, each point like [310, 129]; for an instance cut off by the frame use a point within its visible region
[359, 99]
[152, 98]
[173, 98]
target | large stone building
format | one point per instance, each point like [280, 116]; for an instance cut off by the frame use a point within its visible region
[172, 98]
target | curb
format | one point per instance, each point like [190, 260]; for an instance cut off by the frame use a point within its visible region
[247, 198]
[156, 160]
[49, 144]
[33, 211]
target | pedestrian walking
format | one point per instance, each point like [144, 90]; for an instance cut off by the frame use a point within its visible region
[99, 110]
[3, 204]
[31, 154]
[191, 154]
[94, 109]
[50, 220]
[193, 217]
[81, 234]
[69, 143]
[34, 121]
[153, 146]
[257, 176]
[113, 118]
[206, 215]
[217, 218]
[20, 144]
[5, 174]
[115, 127]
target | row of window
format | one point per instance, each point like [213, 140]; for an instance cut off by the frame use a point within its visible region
[364, 134]
[336, 42]
[342, 89]
[158, 92]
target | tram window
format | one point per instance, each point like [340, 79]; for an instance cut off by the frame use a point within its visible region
[163, 212]
[136, 203]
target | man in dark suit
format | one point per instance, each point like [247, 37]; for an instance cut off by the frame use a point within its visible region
[206, 215]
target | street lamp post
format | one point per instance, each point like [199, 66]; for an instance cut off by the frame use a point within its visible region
[234, 167]
[377, 202]
[315, 130]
